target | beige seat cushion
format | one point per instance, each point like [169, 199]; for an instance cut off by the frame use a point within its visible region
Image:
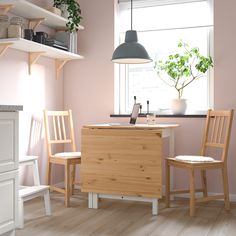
[68, 155]
[194, 158]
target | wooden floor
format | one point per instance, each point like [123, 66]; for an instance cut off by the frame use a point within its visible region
[126, 218]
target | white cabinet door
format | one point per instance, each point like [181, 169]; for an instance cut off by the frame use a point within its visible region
[8, 141]
[8, 201]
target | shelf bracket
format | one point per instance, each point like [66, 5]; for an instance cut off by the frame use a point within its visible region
[4, 9]
[33, 57]
[33, 23]
[4, 47]
[59, 65]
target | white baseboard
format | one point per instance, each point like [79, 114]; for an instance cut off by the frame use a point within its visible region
[61, 185]
[232, 197]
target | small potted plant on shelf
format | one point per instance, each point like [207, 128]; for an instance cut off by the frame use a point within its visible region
[70, 10]
[182, 69]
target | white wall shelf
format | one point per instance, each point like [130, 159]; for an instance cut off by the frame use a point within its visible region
[31, 46]
[36, 50]
[28, 10]
[36, 15]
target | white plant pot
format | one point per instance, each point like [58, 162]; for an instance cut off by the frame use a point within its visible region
[178, 106]
[55, 10]
[64, 12]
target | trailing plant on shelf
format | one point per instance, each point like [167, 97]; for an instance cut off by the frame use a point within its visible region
[183, 67]
[74, 13]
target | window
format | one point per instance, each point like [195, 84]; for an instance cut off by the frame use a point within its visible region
[161, 24]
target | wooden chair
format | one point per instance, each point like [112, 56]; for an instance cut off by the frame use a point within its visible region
[59, 130]
[29, 192]
[216, 138]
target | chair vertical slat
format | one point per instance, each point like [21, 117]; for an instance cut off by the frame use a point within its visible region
[221, 128]
[63, 127]
[217, 128]
[72, 135]
[213, 130]
[54, 128]
[206, 135]
[59, 127]
[227, 135]
[47, 132]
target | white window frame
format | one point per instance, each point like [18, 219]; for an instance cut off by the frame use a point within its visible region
[121, 83]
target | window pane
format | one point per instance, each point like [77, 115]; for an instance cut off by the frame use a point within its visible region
[160, 28]
[142, 80]
[167, 16]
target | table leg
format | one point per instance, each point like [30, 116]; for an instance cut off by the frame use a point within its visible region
[155, 206]
[90, 200]
[172, 154]
[95, 201]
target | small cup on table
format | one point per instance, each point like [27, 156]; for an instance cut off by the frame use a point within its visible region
[151, 119]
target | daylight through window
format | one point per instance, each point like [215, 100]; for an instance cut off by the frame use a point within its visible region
[161, 24]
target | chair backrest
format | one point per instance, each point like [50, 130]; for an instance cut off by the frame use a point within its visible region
[217, 132]
[35, 135]
[59, 129]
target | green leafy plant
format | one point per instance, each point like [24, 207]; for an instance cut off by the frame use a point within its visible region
[184, 67]
[74, 11]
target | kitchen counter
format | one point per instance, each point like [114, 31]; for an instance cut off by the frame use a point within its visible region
[11, 108]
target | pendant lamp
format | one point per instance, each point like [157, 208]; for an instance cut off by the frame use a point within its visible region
[131, 52]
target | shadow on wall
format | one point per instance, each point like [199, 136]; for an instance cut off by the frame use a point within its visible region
[35, 148]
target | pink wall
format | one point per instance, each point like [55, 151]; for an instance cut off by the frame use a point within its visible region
[225, 79]
[89, 84]
[35, 92]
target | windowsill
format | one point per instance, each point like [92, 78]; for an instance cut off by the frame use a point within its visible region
[201, 114]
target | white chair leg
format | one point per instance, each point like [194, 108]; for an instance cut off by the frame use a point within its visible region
[20, 223]
[47, 203]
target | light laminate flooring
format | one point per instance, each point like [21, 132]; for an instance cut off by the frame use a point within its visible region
[126, 218]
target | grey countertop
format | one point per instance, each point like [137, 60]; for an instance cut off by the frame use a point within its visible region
[11, 108]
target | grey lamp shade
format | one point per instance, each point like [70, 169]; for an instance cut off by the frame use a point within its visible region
[131, 52]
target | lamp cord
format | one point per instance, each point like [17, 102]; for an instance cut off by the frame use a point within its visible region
[131, 14]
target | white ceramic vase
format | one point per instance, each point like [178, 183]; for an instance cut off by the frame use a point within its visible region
[178, 106]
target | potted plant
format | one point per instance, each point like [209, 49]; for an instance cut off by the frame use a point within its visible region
[71, 10]
[182, 69]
